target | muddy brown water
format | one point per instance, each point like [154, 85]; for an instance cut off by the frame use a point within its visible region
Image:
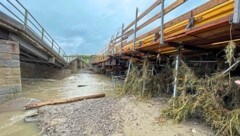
[11, 113]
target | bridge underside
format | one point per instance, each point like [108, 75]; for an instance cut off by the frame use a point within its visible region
[32, 48]
[17, 62]
[204, 31]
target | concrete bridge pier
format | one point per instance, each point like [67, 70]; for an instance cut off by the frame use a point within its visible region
[10, 75]
[46, 71]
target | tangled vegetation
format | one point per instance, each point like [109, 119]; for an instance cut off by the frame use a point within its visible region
[145, 81]
[215, 99]
[212, 99]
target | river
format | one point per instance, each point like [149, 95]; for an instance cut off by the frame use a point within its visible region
[11, 112]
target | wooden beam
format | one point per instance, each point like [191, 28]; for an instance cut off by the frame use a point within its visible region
[135, 30]
[156, 30]
[183, 17]
[192, 47]
[158, 15]
[153, 6]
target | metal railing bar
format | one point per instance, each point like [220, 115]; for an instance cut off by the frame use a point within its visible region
[11, 12]
[48, 35]
[49, 38]
[15, 7]
[21, 4]
[35, 19]
[34, 25]
[39, 24]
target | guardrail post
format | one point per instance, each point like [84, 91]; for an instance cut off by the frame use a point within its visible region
[122, 38]
[52, 43]
[59, 49]
[42, 33]
[162, 23]
[135, 29]
[236, 15]
[26, 18]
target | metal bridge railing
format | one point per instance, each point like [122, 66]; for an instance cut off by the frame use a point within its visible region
[16, 10]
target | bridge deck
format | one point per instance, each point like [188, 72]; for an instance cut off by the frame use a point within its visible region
[209, 32]
[36, 45]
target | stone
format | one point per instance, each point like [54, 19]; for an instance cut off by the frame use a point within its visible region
[9, 47]
[10, 63]
[5, 56]
[15, 57]
[10, 77]
[15, 72]
[6, 89]
[5, 72]
[9, 72]
[8, 80]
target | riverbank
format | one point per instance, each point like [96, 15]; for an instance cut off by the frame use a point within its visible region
[12, 115]
[126, 116]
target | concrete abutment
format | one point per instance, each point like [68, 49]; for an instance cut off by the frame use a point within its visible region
[10, 75]
[12, 70]
[42, 71]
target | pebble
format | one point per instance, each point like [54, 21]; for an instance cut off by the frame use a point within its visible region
[89, 117]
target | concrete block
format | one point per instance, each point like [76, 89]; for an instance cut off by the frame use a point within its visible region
[15, 72]
[8, 80]
[10, 63]
[15, 56]
[9, 47]
[5, 56]
[5, 72]
[3, 98]
[8, 89]
[10, 77]
[51, 60]
[9, 72]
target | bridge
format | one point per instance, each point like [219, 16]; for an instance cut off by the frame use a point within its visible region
[204, 30]
[27, 50]
[204, 37]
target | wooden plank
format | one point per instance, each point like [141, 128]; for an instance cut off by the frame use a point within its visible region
[156, 30]
[126, 34]
[185, 16]
[166, 11]
[155, 17]
[153, 6]
[211, 26]
[195, 12]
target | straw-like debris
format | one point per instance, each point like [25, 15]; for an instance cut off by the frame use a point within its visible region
[212, 99]
[230, 52]
[145, 81]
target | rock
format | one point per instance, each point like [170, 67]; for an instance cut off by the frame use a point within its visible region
[95, 117]
[31, 119]
[194, 131]
[58, 121]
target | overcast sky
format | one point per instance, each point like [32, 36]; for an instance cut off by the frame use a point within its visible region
[86, 26]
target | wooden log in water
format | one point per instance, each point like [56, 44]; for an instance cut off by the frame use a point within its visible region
[63, 101]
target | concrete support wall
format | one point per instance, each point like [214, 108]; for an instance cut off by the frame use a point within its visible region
[10, 77]
[29, 70]
[73, 67]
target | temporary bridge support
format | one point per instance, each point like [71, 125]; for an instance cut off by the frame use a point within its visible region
[176, 71]
[236, 15]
